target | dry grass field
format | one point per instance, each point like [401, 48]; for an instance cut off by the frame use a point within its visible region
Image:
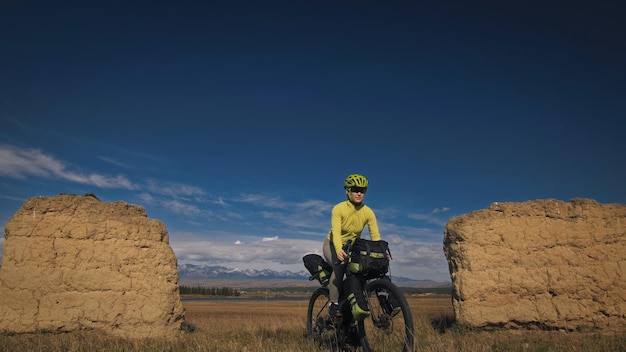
[279, 326]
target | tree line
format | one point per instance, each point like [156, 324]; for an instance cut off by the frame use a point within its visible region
[209, 291]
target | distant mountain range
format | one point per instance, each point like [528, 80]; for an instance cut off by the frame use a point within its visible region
[219, 275]
[197, 272]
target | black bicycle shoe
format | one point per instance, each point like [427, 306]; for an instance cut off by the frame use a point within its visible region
[335, 312]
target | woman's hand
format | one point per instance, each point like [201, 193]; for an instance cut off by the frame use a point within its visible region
[342, 255]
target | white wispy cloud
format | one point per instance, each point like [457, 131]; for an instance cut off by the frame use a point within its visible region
[314, 207]
[414, 252]
[311, 206]
[432, 217]
[4, 196]
[16, 162]
[263, 200]
[220, 201]
[312, 213]
[173, 189]
[421, 234]
[411, 258]
[178, 198]
[178, 207]
[113, 161]
[242, 252]
[417, 251]
[182, 207]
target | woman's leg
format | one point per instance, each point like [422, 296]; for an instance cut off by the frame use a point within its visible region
[336, 278]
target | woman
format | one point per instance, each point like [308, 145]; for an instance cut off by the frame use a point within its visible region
[348, 219]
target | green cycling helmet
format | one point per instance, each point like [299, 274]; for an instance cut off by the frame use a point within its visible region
[355, 180]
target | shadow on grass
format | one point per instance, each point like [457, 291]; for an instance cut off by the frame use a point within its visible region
[443, 323]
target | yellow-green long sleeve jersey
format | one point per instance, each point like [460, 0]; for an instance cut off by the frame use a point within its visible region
[347, 221]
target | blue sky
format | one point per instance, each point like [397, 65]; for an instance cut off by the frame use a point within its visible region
[235, 122]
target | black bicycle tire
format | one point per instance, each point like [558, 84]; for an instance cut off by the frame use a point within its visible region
[405, 309]
[309, 323]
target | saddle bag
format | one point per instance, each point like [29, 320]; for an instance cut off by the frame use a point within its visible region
[369, 259]
[353, 290]
[318, 268]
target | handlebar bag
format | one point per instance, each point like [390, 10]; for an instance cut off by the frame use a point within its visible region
[369, 259]
[318, 268]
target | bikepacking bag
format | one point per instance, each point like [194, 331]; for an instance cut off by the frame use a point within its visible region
[369, 259]
[318, 268]
[354, 293]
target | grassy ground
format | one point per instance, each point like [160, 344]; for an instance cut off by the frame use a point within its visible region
[280, 326]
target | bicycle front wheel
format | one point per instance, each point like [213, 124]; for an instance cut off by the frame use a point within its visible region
[391, 325]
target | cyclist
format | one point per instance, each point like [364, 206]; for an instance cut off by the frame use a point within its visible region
[348, 219]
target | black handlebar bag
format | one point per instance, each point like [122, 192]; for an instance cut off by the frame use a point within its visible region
[369, 259]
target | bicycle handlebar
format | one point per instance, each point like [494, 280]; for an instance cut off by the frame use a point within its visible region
[346, 248]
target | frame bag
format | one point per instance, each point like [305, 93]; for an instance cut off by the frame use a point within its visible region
[318, 268]
[369, 259]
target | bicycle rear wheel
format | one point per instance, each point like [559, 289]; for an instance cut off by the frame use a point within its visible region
[318, 325]
[316, 314]
[391, 325]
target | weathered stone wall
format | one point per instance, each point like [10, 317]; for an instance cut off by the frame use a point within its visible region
[74, 262]
[544, 264]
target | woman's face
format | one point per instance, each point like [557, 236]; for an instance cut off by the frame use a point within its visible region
[357, 194]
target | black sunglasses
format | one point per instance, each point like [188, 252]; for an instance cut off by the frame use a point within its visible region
[358, 189]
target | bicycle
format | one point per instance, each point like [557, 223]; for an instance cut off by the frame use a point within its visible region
[389, 327]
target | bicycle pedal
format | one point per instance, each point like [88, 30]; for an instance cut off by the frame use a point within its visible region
[337, 318]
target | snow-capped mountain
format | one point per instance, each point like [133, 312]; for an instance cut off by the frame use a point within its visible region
[198, 272]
